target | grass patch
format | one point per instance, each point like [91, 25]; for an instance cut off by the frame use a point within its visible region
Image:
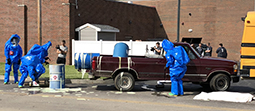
[70, 72]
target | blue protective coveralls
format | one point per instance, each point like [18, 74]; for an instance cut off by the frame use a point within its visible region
[32, 62]
[177, 58]
[13, 53]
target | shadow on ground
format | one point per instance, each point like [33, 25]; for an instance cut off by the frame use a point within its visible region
[189, 88]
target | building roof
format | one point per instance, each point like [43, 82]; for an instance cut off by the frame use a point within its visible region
[98, 27]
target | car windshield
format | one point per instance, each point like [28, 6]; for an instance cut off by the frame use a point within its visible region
[195, 51]
[188, 50]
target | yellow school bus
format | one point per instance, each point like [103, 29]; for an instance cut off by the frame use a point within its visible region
[247, 63]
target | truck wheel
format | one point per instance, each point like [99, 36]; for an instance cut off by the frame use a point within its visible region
[220, 82]
[124, 81]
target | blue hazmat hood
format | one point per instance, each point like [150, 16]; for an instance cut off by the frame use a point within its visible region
[13, 36]
[167, 45]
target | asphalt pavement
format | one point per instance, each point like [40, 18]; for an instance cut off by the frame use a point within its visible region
[81, 94]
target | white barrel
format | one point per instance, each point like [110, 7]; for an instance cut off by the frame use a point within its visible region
[57, 76]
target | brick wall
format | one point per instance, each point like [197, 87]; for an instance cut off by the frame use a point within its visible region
[59, 20]
[23, 21]
[138, 21]
[216, 21]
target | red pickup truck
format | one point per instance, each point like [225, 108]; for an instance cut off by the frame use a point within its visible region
[214, 73]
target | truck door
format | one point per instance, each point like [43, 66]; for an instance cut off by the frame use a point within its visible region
[193, 69]
[150, 68]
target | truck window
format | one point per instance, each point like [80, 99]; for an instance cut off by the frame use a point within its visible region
[189, 52]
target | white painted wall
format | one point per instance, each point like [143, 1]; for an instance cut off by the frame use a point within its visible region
[107, 47]
[88, 33]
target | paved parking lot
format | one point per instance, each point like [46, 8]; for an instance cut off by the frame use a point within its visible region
[104, 94]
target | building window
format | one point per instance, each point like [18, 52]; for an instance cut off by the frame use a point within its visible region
[192, 40]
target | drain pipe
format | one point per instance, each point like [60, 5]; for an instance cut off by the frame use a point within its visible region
[39, 21]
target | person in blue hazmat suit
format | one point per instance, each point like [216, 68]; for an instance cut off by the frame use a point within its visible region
[13, 53]
[177, 58]
[31, 63]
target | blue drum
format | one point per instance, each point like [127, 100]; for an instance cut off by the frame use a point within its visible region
[120, 50]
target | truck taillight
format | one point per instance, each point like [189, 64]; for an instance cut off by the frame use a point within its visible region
[93, 64]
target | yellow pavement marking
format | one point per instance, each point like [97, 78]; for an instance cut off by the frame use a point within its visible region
[58, 96]
[81, 99]
[83, 92]
[45, 96]
[118, 92]
[78, 94]
[94, 87]
[66, 93]
[130, 92]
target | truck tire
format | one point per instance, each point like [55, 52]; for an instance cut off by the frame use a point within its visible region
[220, 82]
[124, 81]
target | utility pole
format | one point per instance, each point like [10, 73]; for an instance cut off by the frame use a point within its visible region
[178, 20]
[39, 21]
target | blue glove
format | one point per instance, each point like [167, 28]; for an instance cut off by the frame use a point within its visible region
[19, 61]
[9, 61]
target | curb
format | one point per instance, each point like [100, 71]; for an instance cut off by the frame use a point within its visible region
[11, 78]
[67, 81]
[86, 81]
